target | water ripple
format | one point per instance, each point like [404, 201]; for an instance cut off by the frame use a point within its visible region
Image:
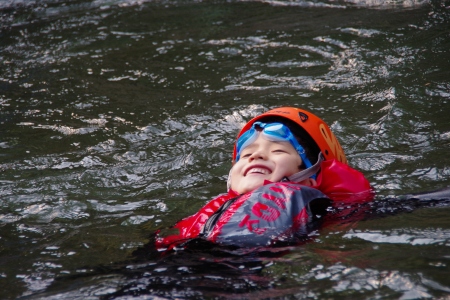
[424, 237]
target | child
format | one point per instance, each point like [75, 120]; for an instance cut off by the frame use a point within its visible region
[288, 167]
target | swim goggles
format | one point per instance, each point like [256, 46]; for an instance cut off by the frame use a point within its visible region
[276, 132]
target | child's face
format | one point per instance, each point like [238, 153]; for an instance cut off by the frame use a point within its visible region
[263, 160]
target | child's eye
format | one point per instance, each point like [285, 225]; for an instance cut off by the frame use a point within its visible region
[246, 155]
[279, 151]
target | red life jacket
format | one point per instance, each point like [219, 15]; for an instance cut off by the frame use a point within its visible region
[343, 184]
[272, 213]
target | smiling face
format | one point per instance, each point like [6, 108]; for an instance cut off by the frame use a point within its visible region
[263, 160]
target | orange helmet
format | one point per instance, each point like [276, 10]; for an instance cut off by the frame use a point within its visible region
[319, 131]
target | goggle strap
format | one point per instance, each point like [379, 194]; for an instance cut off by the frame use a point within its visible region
[307, 173]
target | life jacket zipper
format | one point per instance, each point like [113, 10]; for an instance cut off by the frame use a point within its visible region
[214, 218]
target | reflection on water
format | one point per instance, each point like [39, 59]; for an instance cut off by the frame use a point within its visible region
[117, 118]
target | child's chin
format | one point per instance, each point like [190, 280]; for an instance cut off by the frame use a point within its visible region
[254, 184]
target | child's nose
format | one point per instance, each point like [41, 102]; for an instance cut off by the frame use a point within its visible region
[258, 154]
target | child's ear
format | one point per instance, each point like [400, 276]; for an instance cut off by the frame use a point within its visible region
[309, 182]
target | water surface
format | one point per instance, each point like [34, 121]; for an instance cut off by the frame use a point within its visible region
[118, 117]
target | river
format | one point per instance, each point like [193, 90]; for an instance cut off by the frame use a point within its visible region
[117, 118]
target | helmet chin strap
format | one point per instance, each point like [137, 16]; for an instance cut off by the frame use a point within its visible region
[307, 173]
[229, 179]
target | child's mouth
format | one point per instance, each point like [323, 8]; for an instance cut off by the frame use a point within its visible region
[258, 170]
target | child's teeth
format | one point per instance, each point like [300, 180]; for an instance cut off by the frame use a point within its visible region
[259, 170]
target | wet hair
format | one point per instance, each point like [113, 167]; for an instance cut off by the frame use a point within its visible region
[303, 138]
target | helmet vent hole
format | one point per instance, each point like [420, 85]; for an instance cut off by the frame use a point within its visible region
[326, 152]
[303, 117]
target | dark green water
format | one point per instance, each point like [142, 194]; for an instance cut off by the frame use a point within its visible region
[118, 118]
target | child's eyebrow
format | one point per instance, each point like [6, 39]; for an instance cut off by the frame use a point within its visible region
[252, 145]
[280, 142]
